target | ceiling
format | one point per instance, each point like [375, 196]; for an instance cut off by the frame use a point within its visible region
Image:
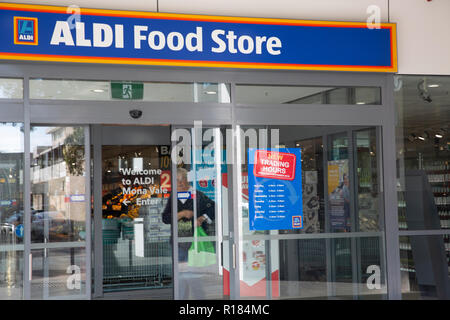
[415, 114]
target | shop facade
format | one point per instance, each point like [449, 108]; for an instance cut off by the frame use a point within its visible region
[94, 153]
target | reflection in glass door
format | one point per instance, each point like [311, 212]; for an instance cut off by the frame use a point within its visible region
[60, 189]
[11, 211]
[199, 214]
[136, 186]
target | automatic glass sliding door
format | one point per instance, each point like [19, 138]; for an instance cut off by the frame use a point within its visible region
[60, 212]
[199, 213]
[136, 187]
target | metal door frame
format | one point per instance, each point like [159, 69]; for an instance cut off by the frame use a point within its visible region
[234, 114]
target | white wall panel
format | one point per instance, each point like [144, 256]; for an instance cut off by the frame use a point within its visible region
[137, 5]
[423, 35]
[339, 10]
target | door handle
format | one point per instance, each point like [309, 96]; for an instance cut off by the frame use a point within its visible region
[234, 256]
[30, 267]
[221, 254]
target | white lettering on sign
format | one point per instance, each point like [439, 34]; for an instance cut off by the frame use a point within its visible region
[245, 43]
[145, 172]
[62, 34]
[105, 35]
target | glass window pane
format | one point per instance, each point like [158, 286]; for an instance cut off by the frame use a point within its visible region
[202, 215]
[126, 90]
[367, 96]
[278, 94]
[11, 88]
[136, 184]
[425, 267]
[11, 211]
[423, 152]
[344, 268]
[58, 273]
[367, 171]
[339, 96]
[339, 192]
[57, 184]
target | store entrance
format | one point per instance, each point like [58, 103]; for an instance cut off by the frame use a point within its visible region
[135, 189]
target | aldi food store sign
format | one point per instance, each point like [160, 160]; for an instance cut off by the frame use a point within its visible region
[47, 33]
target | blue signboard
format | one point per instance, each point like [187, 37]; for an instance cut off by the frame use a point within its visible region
[46, 33]
[275, 189]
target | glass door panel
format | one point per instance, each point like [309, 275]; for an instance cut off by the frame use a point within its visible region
[11, 211]
[201, 231]
[331, 244]
[136, 188]
[58, 212]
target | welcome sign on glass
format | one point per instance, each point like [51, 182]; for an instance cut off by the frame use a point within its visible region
[275, 189]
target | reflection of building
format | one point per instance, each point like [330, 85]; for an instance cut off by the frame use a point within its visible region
[11, 194]
[57, 181]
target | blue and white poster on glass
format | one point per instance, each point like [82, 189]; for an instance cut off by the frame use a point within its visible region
[275, 189]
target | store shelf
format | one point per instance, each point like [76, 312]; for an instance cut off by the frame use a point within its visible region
[439, 179]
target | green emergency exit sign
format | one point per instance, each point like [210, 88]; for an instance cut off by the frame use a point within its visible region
[127, 90]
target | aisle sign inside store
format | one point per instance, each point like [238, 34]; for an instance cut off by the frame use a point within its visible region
[47, 33]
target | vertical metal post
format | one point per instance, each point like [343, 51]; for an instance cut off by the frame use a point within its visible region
[235, 232]
[97, 193]
[390, 193]
[268, 247]
[218, 153]
[353, 179]
[27, 270]
[88, 203]
[231, 219]
[382, 211]
[331, 288]
[174, 225]
[45, 262]
[195, 161]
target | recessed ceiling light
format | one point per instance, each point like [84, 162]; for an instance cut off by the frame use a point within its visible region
[361, 102]
[433, 85]
[421, 138]
[210, 92]
[437, 135]
[98, 90]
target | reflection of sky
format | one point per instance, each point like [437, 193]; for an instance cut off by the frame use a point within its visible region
[40, 138]
[11, 138]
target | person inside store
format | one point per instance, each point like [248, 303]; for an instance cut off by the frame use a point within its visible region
[190, 278]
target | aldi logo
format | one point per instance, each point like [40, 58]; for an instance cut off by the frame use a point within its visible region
[297, 222]
[25, 30]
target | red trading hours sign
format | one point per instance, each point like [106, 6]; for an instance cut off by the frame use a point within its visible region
[274, 165]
